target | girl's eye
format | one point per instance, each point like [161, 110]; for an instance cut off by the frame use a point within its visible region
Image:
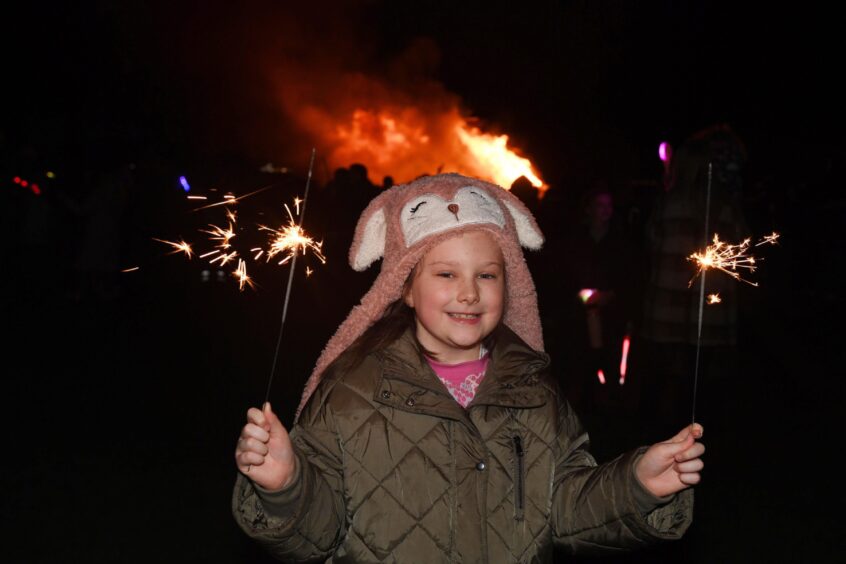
[445, 274]
[487, 276]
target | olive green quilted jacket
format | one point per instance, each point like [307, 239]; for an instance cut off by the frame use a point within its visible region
[392, 469]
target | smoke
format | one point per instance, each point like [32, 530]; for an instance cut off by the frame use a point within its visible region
[272, 81]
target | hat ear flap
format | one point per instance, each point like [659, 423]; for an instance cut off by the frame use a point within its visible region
[528, 232]
[369, 243]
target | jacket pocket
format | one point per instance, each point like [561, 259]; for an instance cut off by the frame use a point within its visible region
[519, 478]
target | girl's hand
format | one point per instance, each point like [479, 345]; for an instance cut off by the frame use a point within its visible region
[264, 452]
[669, 467]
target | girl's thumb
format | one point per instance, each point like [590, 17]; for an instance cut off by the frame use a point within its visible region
[274, 422]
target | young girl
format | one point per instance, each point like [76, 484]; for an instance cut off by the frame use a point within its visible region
[430, 429]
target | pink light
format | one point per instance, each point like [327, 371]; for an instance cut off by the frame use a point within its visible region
[664, 151]
[24, 183]
[17, 179]
[624, 361]
[35, 189]
[601, 375]
[586, 294]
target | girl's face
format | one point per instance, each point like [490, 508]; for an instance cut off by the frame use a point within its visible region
[458, 293]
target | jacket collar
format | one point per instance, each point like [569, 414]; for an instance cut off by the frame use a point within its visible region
[513, 378]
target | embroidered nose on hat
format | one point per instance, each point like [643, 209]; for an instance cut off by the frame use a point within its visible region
[453, 208]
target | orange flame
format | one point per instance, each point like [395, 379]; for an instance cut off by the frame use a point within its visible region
[404, 125]
[405, 142]
[502, 164]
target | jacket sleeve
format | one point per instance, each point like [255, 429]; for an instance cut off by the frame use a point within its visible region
[601, 509]
[306, 521]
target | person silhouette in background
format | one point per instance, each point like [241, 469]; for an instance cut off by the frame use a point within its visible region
[600, 269]
[674, 231]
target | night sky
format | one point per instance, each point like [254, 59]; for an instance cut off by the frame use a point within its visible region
[121, 414]
[585, 89]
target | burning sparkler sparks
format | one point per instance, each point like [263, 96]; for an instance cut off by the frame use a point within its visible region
[292, 239]
[241, 275]
[714, 299]
[289, 240]
[180, 247]
[731, 259]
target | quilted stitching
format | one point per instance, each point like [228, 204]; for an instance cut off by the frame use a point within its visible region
[381, 489]
[412, 489]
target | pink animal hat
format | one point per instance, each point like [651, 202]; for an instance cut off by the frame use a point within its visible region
[402, 223]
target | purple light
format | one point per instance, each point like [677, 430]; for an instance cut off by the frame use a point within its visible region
[184, 182]
[664, 151]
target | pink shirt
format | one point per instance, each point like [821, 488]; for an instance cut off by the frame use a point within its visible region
[461, 379]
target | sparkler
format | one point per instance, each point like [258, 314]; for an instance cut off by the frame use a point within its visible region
[701, 273]
[729, 258]
[292, 240]
[724, 257]
[289, 239]
[299, 243]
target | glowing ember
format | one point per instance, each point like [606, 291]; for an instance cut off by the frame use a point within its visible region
[222, 235]
[714, 299]
[241, 275]
[729, 258]
[224, 258]
[180, 247]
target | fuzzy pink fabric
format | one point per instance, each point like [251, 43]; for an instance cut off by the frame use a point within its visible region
[521, 314]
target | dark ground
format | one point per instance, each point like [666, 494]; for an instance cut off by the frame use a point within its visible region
[121, 416]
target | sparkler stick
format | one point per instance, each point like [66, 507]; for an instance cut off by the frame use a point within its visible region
[295, 252]
[701, 297]
[233, 200]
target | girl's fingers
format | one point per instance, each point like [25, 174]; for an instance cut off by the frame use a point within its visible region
[690, 479]
[248, 458]
[252, 445]
[258, 418]
[252, 430]
[690, 466]
[697, 450]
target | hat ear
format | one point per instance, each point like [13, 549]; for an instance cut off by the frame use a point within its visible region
[369, 243]
[528, 232]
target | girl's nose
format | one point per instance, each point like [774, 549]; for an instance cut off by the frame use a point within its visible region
[468, 293]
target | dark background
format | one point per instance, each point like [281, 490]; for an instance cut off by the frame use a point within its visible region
[121, 411]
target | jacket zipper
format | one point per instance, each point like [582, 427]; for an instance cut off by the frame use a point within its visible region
[519, 485]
